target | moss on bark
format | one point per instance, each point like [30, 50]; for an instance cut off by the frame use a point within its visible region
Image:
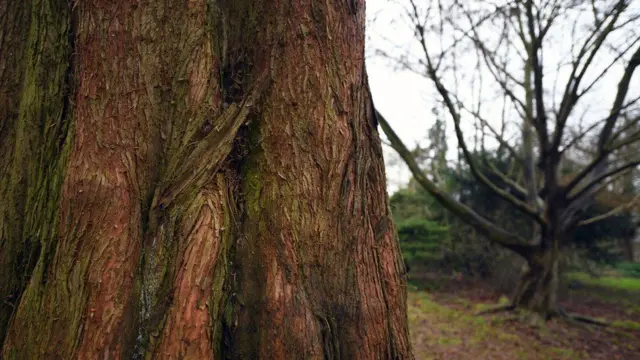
[223, 194]
[34, 129]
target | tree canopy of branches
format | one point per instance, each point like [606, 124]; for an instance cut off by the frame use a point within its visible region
[556, 66]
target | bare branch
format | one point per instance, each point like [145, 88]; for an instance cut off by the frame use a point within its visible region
[579, 137]
[540, 120]
[587, 189]
[607, 130]
[628, 140]
[527, 140]
[465, 34]
[509, 240]
[512, 183]
[494, 67]
[604, 184]
[554, 14]
[570, 96]
[630, 124]
[442, 90]
[623, 89]
[576, 138]
[499, 137]
[617, 210]
[611, 64]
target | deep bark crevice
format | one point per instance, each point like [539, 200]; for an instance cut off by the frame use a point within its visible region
[222, 195]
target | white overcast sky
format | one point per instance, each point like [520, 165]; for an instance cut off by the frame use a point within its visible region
[406, 99]
[402, 97]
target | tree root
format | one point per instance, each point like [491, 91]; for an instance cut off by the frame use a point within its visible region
[496, 309]
[521, 315]
[581, 318]
[560, 313]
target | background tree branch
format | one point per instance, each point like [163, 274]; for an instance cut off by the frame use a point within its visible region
[509, 240]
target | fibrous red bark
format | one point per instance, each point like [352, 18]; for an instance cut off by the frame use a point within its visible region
[220, 179]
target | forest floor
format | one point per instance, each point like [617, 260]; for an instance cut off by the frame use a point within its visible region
[443, 324]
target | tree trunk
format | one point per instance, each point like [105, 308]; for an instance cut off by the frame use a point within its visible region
[626, 245]
[193, 179]
[536, 292]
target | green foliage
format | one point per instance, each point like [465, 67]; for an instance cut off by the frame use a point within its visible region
[407, 204]
[609, 282]
[628, 269]
[422, 240]
[598, 241]
[595, 242]
[431, 235]
[431, 238]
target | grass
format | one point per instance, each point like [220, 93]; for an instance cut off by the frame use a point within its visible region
[627, 324]
[442, 332]
[443, 323]
[501, 302]
[610, 282]
[622, 291]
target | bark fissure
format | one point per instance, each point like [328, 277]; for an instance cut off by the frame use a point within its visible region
[222, 195]
[34, 126]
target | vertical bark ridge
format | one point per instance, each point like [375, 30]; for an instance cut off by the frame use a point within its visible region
[312, 279]
[14, 21]
[187, 98]
[204, 211]
[34, 124]
[186, 333]
[90, 277]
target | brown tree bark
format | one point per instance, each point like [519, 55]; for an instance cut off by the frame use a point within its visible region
[190, 179]
[536, 292]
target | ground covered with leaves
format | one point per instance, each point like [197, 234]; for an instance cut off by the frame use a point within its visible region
[444, 324]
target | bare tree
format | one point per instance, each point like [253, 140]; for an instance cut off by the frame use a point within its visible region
[592, 45]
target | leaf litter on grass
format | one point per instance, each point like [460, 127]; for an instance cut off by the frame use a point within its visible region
[443, 326]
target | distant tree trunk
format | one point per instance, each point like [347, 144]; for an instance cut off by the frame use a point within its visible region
[193, 179]
[537, 287]
[626, 245]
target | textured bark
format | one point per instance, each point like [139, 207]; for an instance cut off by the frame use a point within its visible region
[34, 123]
[193, 179]
[536, 291]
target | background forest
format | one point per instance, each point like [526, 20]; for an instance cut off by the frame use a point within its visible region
[205, 179]
[455, 273]
[513, 158]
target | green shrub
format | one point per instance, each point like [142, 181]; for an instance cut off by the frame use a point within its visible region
[628, 269]
[422, 241]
